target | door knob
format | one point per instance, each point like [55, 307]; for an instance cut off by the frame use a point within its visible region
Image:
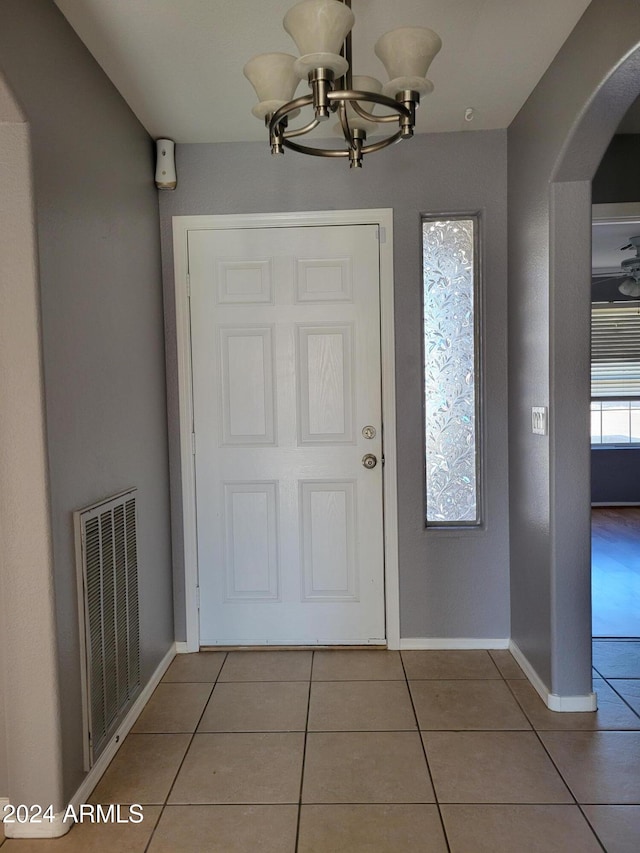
[369, 460]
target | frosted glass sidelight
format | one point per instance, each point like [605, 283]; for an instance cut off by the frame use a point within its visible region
[450, 372]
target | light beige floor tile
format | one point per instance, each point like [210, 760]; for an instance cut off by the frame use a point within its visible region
[474, 663]
[368, 828]
[617, 659]
[267, 666]
[241, 768]
[599, 767]
[360, 706]
[226, 829]
[612, 712]
[506, 663]
[629, 689]
[346, 665]
[143, 769]
[197, 666]
[618, 827]
[466, 704]
[365, 767]
[174, 707]
[518, 829]
[89, 837]
[492, 767]
[257, 706]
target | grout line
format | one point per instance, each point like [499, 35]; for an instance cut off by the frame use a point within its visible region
[426, 760]
[193, 734]
[566, 784]
[155, 826]
[557, 769]
[304, 751]
[591, 827]
[631, 708]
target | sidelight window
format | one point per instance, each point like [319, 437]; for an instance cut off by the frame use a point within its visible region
[450, 282]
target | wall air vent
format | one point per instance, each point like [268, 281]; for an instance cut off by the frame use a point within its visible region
[107, 560]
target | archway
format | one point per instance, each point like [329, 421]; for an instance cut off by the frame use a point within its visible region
[555, 145]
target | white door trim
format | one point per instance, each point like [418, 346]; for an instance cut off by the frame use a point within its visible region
[181, 226]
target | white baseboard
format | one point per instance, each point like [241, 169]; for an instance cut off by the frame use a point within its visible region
[182, 648]
[453, 643]
[554, 702]
[588, 702]
[58, 826]
[53, 827]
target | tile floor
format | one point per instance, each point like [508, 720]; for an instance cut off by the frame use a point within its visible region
[372, 752]
[615, 571]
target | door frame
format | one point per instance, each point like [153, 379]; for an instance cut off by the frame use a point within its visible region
[383, 217]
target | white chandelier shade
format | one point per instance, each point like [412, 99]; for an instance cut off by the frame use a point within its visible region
[407, 53]
[274, 79]
[321, 30]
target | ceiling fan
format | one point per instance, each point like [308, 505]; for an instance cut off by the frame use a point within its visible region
[629, 275]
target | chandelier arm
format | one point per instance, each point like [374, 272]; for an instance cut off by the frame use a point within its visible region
[316, 152]
[382, 143]
[287, 108]
[345, 95]
[344, 121]
[371, 116]
[299, 131]
[355, 95]
[336, 152]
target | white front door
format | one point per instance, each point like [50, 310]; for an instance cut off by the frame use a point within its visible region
[285, 330]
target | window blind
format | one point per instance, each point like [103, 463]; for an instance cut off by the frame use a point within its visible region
[615, 351]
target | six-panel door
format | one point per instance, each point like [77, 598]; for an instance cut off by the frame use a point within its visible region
[285, 326]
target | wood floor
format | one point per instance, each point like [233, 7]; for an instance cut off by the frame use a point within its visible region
[615, 571]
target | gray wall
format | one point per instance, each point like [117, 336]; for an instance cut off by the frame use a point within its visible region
[615, 475]
[101, 302]
[451, 585]
[555, 145]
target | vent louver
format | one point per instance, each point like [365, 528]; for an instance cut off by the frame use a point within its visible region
[106, 543]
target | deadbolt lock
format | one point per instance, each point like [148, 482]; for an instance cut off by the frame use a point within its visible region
[369, 432]
[369, 460]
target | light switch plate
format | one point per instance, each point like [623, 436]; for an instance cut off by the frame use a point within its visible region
[539, 420]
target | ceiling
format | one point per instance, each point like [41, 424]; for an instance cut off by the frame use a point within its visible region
[178, 63]
[607, 239]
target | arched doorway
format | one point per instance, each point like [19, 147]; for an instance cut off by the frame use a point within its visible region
[555, 145]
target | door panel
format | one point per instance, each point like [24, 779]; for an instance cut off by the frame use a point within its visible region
[286, 373]
[246, 360]
[325, 367]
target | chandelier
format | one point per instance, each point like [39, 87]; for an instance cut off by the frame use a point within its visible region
[321, 30]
